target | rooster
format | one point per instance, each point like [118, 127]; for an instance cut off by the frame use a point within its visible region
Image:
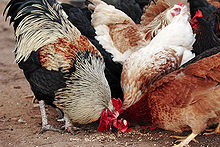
[119, 35]
[62, 66]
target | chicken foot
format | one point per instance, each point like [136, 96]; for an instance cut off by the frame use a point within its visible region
[45, 125]
[216, 131]
[185, 140]
[68, 125]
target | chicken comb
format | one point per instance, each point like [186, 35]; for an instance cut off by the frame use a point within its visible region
[108, 118]
[194, 23]
[198, 14]
[117, 103]
[180, 4]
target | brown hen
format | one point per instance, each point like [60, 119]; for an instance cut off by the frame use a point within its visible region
[188, 98]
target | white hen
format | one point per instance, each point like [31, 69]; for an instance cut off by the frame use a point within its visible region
[161, 56]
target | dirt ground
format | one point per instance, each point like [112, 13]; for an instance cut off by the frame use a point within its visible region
[20, 121]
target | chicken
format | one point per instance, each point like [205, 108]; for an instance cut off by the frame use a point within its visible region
[61, 65]
[201, 5]
[119, 35]
[210, 13]
[161, 56]
[152, 11]
[188, 98]
[205, 37]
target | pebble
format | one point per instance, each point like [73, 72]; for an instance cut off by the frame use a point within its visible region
[21, 120]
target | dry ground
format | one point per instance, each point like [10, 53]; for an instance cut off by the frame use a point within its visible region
[20, 122]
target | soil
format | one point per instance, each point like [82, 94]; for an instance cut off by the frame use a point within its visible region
[20, 120]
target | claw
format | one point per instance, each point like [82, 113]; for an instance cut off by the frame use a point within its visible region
[182, 138]
[185, 140]
[68, 126]
[69, 129]
[45, 125]
[49, 128]
[211, 132]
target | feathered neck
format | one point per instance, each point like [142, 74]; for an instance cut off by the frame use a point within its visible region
[40, 24]
[160, 57]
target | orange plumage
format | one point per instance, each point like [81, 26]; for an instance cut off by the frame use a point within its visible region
[188, 98]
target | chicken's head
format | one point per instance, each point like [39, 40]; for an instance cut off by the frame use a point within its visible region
[175, 10]
[109, 118]
[195, 22]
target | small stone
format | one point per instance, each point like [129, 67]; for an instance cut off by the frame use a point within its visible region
[21, 121]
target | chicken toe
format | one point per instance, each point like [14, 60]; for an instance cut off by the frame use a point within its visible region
[216, 131]
[185, 140]
[68, 127]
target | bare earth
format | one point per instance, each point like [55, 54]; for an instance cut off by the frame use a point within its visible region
[20, 121]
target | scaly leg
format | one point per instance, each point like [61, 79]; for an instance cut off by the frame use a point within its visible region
[45, 125]
[68, 125]
[216, 131]
[185, 140]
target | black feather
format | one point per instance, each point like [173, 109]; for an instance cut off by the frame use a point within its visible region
[43, 82]
[202, 5]
[205, 37]
[79, 18]
[131, 8]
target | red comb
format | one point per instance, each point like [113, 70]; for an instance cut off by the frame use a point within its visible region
[122, 125]
[105, 120]
[198, 14]
[117, 103]
[180, 4]
[108, 118]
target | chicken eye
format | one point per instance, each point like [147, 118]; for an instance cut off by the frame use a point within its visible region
[194, 21]
[177, 9]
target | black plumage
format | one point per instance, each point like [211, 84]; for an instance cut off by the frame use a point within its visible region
[42, 81]
[80, 18]
[63, 68]
[201, 5]
[205, 37]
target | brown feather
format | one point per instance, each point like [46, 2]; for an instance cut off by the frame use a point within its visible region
[214, 2]
[127, 36]
[187, 98]
[65, 51]
[151, 11]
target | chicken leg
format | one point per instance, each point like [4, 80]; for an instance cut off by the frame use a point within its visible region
[216, 131]
[68, 125]
[185, 141]
[45, 125]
